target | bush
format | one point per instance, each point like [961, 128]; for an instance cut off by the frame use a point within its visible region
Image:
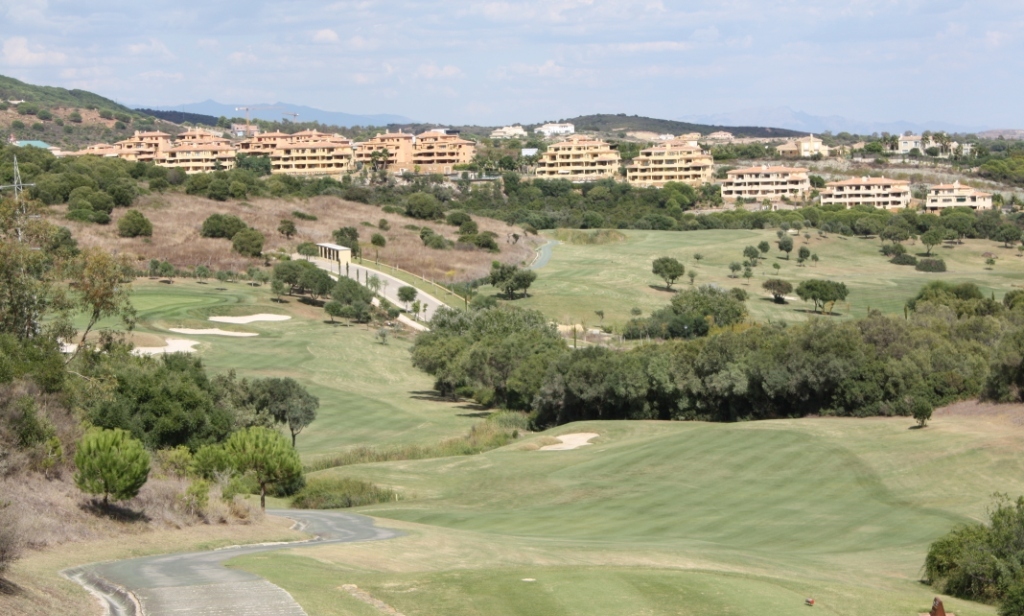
[75, 117]
[903, 259]
[219, 190]
[111, 463]
[159, 184]
[134, 224]
[337, 493]
[423, 205]
[17, 125]
[28, 109]
[10, 538]
[107, 114]
[248, 242]
[931, 265]
[892, 250]
[222, 225]
[303, 216]
[45, 115]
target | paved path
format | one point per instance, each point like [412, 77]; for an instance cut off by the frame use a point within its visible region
[390, 291]
[197, 583]
[544, 254]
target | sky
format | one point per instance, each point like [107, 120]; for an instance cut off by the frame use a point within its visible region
[496, 62]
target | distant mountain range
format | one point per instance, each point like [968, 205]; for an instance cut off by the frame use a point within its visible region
[275, 112]
[608, 122]
[784, 117]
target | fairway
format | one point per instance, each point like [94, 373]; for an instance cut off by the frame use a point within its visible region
[615, 277]
[673, 518]
[369, 393]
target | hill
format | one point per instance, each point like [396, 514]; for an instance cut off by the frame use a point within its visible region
[614, 123]
[12, 89]
[180, 117]
[273, 111]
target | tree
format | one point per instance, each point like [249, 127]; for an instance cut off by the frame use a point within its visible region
[752, 254]
[266, 454]
[307, 249]
[222, 225]
[134, 224]
[407, 294]
[248, 243]
[278, 288]
[349, 238]
[734, 269]
[821, 292]
[748, 273]
[1007, 233]
[317, 282]
[111, 463]
[778, 288]
[103, 290]
[693, 275]
[921, 410]
[803, 254]
[287, 402]
[202, 272]
[334, 309]
[697, 256]
[522, 279]
[379, 241]
[423, 205]
[814, 258]
[287, 228]
[786, 244]
[763, 247]
[931, 238]
[669, 269]
[895, 234]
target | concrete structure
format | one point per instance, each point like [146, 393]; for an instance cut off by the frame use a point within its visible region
[438, 151]
[764, 182]
[143, 146]
[550, 130]
[579, 159]
[910, 142]
[720, 136]
[673, 161]
[398, 146]
[245, 130]
[311, 152]
[804, 147]
[100, 149]
[882, 193]
[335, 253]
[956, 194]
[509, 132]
[198, 158]
[199, 136]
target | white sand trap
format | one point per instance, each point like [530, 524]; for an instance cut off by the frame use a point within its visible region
[174, 345]
[571, 441]
[251, 318]
[212, 332]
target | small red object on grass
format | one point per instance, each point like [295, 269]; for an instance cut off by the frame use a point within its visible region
[809, 602]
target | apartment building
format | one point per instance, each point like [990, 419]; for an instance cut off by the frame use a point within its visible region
[398, 146]
[143, 146]
[956, 194]
[720, 135]
[764, 182]
[198, 157]
[909, 143]
[882, 193]
[579, 159]
[672, 161]
[509, 132]
[438, 151]
[199, 136]
[804, 147]
[311, 152]
[551, 130]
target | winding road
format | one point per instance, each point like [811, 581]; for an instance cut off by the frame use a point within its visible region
[197, 583]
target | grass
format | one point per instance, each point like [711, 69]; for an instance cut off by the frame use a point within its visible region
[369, 393]
[615, 277]
[672, 518]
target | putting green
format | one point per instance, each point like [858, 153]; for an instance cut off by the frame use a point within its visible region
[674, 518]
[582, 279]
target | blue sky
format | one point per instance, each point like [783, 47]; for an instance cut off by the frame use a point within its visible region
[493, 62]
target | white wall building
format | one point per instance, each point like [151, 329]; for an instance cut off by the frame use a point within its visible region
[508, 132]
[549, 130]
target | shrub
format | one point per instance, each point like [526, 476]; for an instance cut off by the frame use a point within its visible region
[303, 216]
[134, 224]
[196, 498]
[44, 114]
[423, 205]
[248, 242]
[435, 241]
[75, 117]
[931, 265]
[219, 190]
[10, 538]
[904, 259]
[210, 461]
[120, 125]
[222, 225]
[337, 493]
[159, 184]
[892, 250]
[28, 109]
[17, 125]
[106, 114]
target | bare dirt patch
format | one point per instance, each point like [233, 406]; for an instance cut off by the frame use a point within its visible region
[212, 332]
[177, 219]
[571, 441]
[253, 318]
[1012, 414]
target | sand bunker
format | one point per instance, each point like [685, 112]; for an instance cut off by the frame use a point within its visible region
[251, 318]
[174, 345]
[571, 441]
[212, 332]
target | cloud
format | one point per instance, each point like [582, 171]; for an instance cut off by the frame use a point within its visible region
[994, 39]
[153, 47]
[650, 46]
[242, 57]
[162, 76]
[547, 69]
[208, 43]
[325, 36]
[16, 52]
[433, 71]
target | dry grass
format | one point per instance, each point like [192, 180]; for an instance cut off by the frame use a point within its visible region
[177, 219]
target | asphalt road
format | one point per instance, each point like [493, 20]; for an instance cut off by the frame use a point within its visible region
[390, 290]
[198, 584]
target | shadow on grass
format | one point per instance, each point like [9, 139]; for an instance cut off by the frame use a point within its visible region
[658, 287]
[821, 314]
[10, 588]
[917, 427]
[430, 396]
[279, 300]
[309, 301]
[475, 414]
[774, 301]
[113, 511]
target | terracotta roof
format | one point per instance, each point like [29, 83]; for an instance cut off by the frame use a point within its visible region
[766, 169]
[867, 180]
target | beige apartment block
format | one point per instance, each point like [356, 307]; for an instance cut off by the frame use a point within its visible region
[262, 144]
[882, 193]
[100, 149]
[199, 136]
[554, 129]
[143, 146]
[437, 151]
[720, 136]
[201, 158]
[764, 182]
[509, 132]
[398, 145]
[804, 147]
[673, 161]
[579, 159]
[956, 194]
[311, 152]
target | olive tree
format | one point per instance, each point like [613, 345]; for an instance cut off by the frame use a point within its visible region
[669, 269]
[111, 463]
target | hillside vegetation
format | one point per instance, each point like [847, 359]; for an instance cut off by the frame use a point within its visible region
[606, 122]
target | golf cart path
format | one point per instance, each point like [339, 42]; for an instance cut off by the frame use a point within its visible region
[197, 583]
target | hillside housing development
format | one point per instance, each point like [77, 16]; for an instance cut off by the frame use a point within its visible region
[579, 159]
[764, 182]
[944, 196]
[672, 161]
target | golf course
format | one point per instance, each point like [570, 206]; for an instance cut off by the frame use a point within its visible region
[615, 277]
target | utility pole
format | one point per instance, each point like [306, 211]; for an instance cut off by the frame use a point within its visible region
[18, 202]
